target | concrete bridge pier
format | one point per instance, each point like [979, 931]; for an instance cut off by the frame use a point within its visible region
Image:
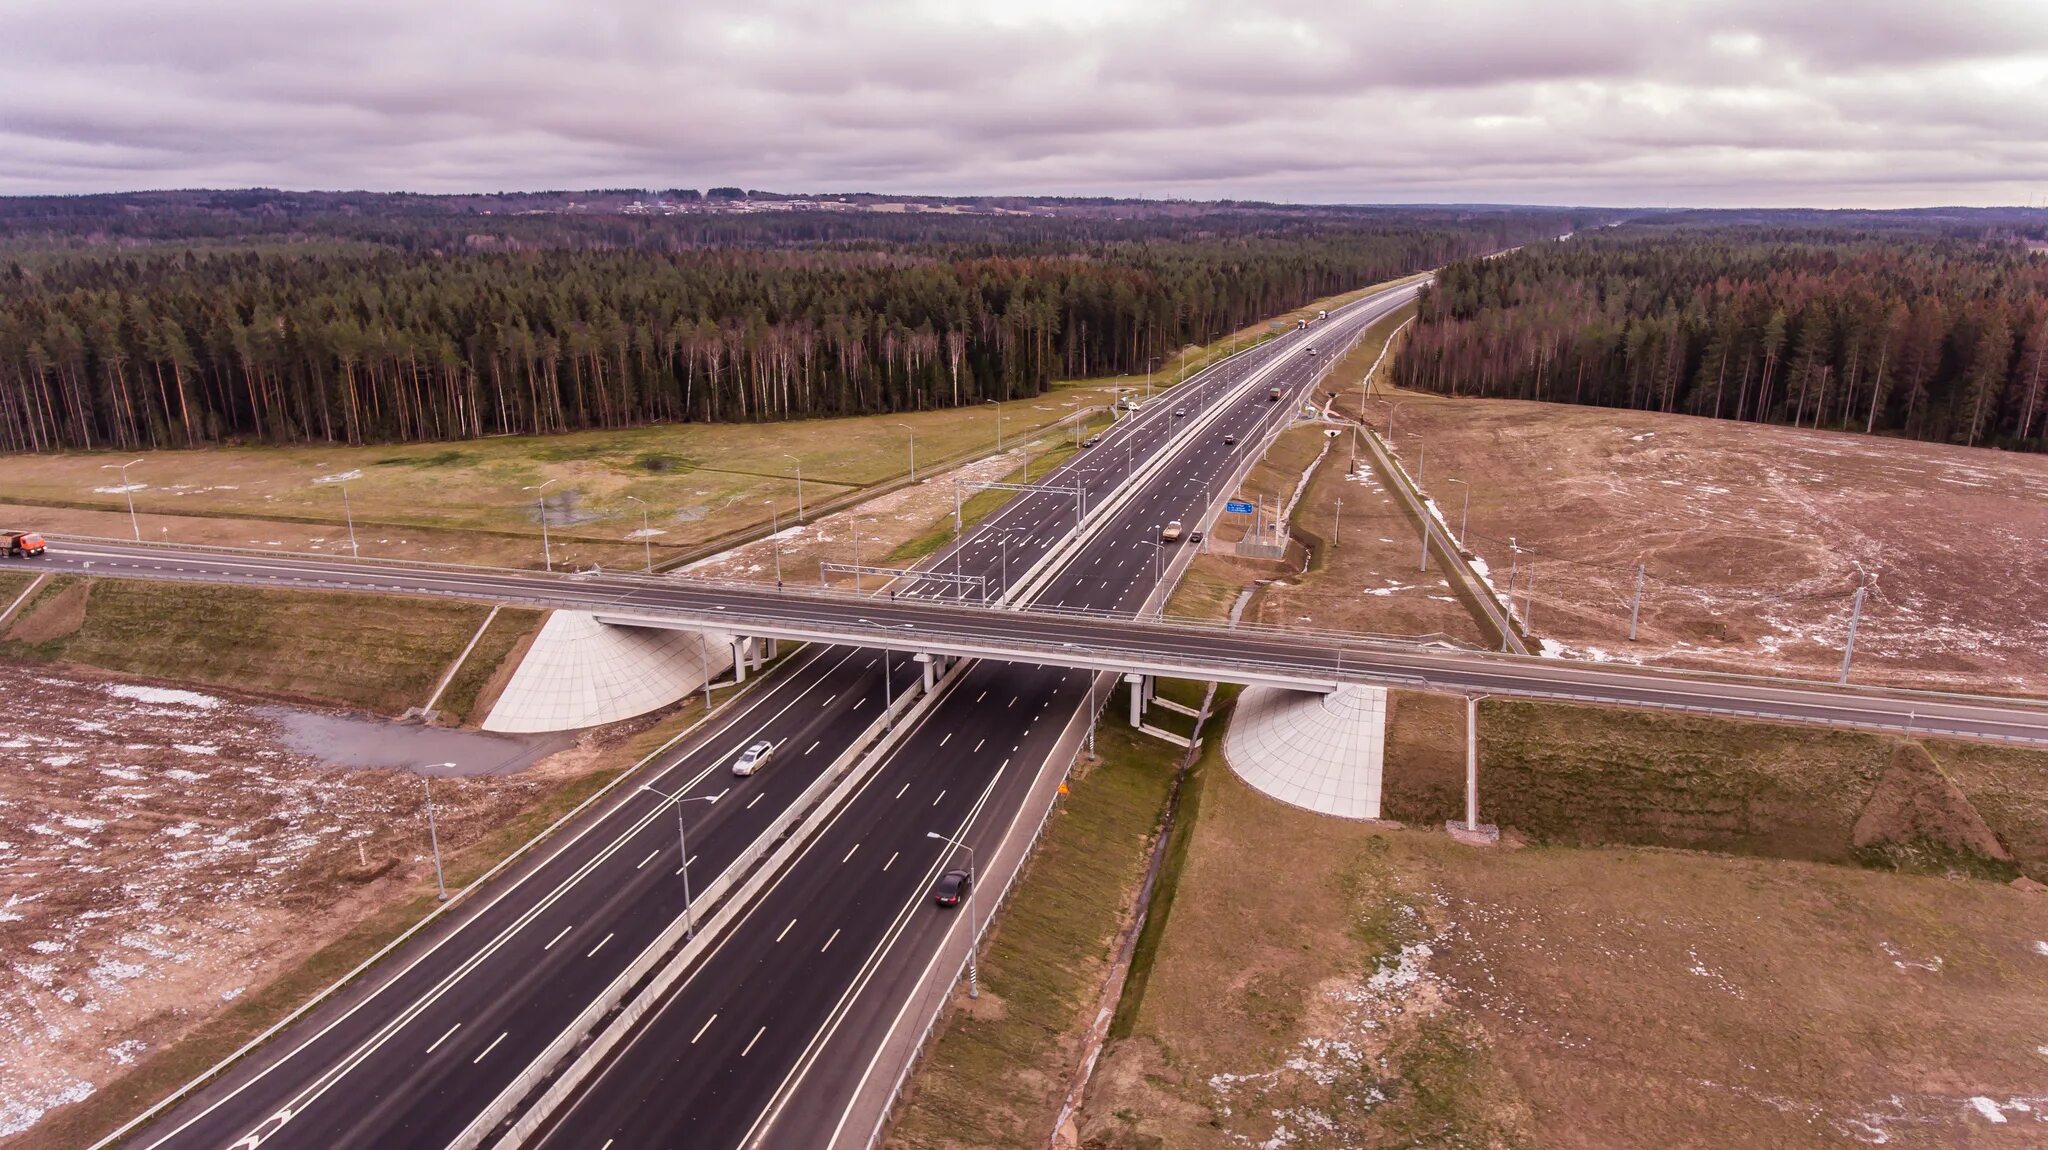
[933, 664]
[1140, 692]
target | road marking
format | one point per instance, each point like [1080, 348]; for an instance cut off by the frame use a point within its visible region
[443, 1038]
[699, 1034]
[558, 937]
[899, 794]
[977, 746]
[488, 1049]
[785, 930]
[812, 747]
[1013, 701]
[828, 700]
[600, 945]
[752, 801]
[753, 1040]
[980, 697]
[947, 739]
[863, 702]
[829, 942]
[892, 858]
[849, 854]
[935, 802]
[648, 859]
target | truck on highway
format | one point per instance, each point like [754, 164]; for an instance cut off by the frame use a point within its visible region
[1171, 532]
[20, 544]
[1272, 395]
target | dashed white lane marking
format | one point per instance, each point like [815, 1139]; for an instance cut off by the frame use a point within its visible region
[863, 702]
[935, 802]
[829, 942]
[753, 1040]
[443, 1038]
[699, 1034]
[752, 801]
[785, 930]
[488, 1049]
[849, 854]
[599, 946]
[892, 858]
[899, 793]
[648, 859]
[558, 937]
[977, 746]
[812, 747]
[947, 739]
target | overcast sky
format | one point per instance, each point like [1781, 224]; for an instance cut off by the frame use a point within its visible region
[1713, 102]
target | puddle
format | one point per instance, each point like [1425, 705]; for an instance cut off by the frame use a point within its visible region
[350, 741]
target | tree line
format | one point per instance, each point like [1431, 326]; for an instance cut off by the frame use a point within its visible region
[1910, 332]
[341, 328]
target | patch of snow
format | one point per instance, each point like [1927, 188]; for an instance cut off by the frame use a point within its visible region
[198, 748]
[338, 477]
[2040, 947]
[19, 1111]
[1551, 648]
[1989, 1109]
[143, 694]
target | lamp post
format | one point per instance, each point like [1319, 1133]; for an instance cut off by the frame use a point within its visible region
[1391, 412]
[128, 490]
[913, 449]
[547, 554]
[683, 845]
[433, 834]
[799, 485]
[646, 533]
[1465, 511]
[349, 515]
[973, 915]
[775, 538]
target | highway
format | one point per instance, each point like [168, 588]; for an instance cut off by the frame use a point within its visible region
[435, 1035]
[735, 1056]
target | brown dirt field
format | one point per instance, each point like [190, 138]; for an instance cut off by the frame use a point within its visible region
[161, 855]
[1322, 983]
[1751, 536]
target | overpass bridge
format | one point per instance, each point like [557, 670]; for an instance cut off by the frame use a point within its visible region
[1253, 655]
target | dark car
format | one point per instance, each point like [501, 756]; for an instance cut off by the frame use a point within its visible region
[953, 886]
[1229, 439]
[1195, 538]
[1180, 412]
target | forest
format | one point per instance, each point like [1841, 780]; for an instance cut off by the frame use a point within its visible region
[183, 319]
[1935, 328]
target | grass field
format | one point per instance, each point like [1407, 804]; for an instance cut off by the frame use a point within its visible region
[1323, 983]
[470, 500]
[379, 653]
[508, 631]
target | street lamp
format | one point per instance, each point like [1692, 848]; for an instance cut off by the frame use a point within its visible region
[127, 490]
[973, 915]
[434, 835]
[349, 516]
[775, 537]
[799, 485]
[547, 554]
[646, 534]
[683, 845]
[1391, 412]
[913, 449]
[1465, 511]
[1158, 555]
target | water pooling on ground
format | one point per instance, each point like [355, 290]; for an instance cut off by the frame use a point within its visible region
[356, 742]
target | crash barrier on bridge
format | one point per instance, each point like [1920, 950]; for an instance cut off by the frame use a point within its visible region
[580, 673]
[646, 982]
[1321, 752]
[461, 898]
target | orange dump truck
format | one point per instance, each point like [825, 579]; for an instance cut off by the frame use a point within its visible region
[17, 544]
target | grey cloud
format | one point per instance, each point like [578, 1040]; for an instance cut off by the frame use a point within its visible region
[1700, 101]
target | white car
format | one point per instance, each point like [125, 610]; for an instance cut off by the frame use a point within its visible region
[753, 758]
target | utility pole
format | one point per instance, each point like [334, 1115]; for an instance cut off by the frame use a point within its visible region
[547, 554]
[775, 538]
[434, 837]
[1422, 564]
[128, 490]
[1529, 600]
[1465, 512]
[913, 449]
[799, 485]
[1855, 617]
[1337, 531]
[1635, 608]
[350, 516]
[973, 915]
[647, 535]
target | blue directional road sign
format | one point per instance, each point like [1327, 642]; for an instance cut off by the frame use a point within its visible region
[1236, 508]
